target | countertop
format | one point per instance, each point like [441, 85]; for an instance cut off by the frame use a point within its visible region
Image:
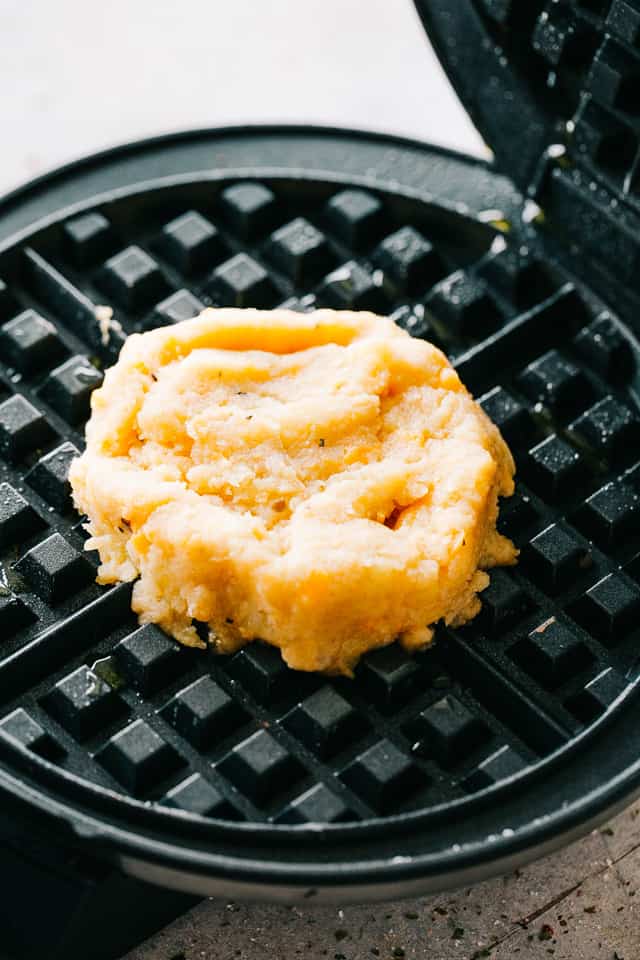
[582, 903]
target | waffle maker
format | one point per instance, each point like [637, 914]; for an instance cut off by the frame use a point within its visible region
[136, 777]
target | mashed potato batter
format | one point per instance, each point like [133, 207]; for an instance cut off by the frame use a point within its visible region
[321, 481]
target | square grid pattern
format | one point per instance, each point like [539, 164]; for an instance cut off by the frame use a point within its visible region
[582, 57]
[244, 737]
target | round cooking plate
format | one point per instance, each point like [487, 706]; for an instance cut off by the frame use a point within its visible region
[237, 774]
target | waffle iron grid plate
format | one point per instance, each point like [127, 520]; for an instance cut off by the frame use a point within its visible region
[236, 774]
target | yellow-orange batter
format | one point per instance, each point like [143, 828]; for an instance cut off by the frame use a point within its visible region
[321, 481]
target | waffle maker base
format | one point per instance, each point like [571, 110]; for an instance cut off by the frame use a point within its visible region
[134, 776]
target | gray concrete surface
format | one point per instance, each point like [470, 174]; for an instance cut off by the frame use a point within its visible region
[77, 76]
[582, 903]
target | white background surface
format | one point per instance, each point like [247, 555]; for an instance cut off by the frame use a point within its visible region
[80, 75]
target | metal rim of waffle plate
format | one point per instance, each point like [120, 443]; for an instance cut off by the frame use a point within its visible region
[509, 737]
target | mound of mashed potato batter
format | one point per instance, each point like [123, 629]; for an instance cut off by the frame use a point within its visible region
[320, 481]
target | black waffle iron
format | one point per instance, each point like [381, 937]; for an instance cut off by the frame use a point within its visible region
[135, 776]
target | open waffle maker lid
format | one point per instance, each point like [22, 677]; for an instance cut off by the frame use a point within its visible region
[513, 735]
[552, 85]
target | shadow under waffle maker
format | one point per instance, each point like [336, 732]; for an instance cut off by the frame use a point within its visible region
[134, 776]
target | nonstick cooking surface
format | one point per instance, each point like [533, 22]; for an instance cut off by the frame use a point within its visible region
[553, 87]
[243, 738]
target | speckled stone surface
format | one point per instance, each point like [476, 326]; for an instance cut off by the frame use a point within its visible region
[582, 903]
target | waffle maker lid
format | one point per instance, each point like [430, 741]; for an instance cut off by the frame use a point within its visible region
[552, 87]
